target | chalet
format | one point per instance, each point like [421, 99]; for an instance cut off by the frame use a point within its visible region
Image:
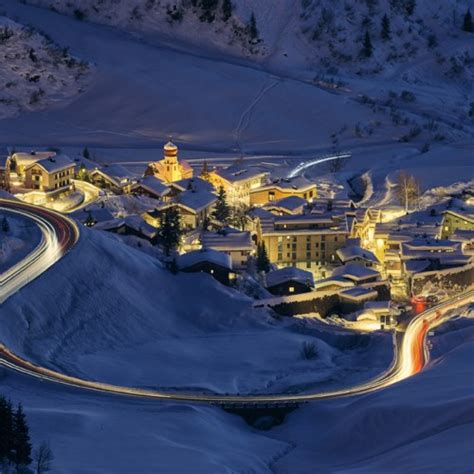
[131, 225]
[151, 187]
[454, 220]
[19, 161]
[289, 281]
[115, 178]
[357, 273]
[238, 181]
[195, 184]
[194, 207]
[356, 254]
[49, 174]
[353, 299]
[283, 188]
[213, 262]
[238, 245]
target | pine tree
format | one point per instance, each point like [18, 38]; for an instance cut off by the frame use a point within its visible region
[226, 9]
[253, 31]
[385, 33]
[367, 48]
[170, 231]
[263, 262]
[467, 23]
[86, 154]
[6, 430]
[21, 455]
[5, 225]
[222, 210]
[410, 6]
[208, 10]
[205, 171]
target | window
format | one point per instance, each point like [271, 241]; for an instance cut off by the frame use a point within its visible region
[212, 271]
[308, 264]
[291, 289]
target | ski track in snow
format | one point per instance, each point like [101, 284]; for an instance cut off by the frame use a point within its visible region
[246, 116]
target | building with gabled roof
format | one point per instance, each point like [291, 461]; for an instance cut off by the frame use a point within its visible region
[49, 174]
[215, 263]
[113, 177]
[283, 188]
[291, 205]
[152, 187]
[238, 180]
[289, 281]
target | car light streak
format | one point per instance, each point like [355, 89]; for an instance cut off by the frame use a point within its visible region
[58, 235]
[308, 164]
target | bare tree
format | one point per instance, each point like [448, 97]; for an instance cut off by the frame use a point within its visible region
[409, 190]
[43, 458]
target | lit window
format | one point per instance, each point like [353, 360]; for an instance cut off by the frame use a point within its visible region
[291, 289]
[212, 271]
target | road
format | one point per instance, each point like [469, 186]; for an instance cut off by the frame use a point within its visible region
[58, 236]
[410, 350]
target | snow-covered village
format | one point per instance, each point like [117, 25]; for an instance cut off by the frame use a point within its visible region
[236, 236]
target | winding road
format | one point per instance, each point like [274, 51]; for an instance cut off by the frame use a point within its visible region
[60, 234]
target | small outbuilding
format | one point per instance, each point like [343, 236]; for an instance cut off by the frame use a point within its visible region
[289, 281]
[215, 263]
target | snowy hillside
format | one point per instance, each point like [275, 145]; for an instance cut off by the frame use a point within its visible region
[153, 328]
[326, 34]
[35, 73]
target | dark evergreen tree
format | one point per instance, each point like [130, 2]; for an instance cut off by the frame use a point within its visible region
[367, 48]
[226, 9]
[410, 6]
[253, 31]
[263, 262]
[467, 24]
[208, 10]
[385, 33]
[222, 210]
[5, 225]
[170, 231]
[86, 154]
[21, 446]
[6, 430]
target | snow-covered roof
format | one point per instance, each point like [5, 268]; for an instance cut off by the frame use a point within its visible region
[99, 214]
[358, 293]
[195, 257]
[338, 281]
[378, 306]
[299, 184]
[277, 277]
[195, 183]
[463, 236]
[117, 173]
[416, 266]
[466, 214]
[353, 252]
[240, 172]
[53, 164]
[289, 203]
[196, 200]
[227, 241]
[138, 224]
[26, 158]
[153, 185]
[355, 271]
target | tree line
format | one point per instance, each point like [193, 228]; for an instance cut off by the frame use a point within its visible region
[16, 454]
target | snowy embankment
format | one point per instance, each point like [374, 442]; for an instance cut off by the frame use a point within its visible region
[35, 73]
[18, 237]
[185, 331]
[423, 424]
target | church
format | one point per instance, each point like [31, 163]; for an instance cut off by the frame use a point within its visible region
[170, 169]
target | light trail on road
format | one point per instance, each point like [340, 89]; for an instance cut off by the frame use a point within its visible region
[60, 233]
[308, 164]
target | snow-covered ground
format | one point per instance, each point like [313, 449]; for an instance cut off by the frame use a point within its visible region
[17, 240]
[153, 328]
